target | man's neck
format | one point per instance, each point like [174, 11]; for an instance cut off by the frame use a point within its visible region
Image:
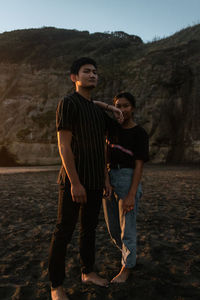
[86, 93]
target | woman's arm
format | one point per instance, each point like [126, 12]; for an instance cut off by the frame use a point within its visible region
[129, 201]
[64, 145]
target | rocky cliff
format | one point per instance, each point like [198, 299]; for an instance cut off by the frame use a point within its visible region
[163, 75]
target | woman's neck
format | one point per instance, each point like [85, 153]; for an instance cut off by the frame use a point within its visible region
[128, 124]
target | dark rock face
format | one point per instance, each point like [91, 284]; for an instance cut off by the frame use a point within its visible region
[167, 87]
[164, 76]
[7, 159]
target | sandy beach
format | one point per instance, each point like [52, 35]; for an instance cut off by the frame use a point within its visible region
[168, 264]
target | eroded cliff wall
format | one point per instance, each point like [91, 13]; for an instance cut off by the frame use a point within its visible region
[164, 76]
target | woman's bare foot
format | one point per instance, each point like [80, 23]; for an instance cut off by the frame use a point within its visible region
[122, 276]
[58, 293]
[94, 278]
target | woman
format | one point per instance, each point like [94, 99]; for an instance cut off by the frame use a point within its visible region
[127, 149]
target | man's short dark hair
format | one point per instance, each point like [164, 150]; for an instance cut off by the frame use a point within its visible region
[77, 64]
[126, 95]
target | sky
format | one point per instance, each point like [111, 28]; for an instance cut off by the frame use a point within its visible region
[149, 19]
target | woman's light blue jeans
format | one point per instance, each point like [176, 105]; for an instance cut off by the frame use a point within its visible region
[122, 228]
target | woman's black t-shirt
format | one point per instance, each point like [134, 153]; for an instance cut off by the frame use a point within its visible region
[127, 145]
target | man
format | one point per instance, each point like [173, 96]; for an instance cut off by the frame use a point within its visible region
[81, 127]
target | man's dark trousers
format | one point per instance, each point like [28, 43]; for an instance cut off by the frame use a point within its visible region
[68, 212]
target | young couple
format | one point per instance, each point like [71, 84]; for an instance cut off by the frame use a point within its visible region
[82, 126]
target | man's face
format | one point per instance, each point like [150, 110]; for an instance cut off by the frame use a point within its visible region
[87, 77]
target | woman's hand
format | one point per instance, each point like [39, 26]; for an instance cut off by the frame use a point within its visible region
[128, 204]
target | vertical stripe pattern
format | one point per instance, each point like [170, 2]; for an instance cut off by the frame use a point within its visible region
[87, 122]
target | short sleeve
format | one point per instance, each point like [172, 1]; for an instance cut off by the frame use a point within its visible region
[142, 146]
[65, 115]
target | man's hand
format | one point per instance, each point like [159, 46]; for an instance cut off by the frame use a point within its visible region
[118, 114]
[128, 204]
[78, 193]
[108, 188]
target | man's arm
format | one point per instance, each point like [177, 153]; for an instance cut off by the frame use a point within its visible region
[129, 201]
[64, 145]
[117, 112]
[103, 105]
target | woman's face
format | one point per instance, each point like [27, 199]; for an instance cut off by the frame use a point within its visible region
[126, 107]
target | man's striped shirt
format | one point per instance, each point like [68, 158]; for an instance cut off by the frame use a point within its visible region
[88, 124]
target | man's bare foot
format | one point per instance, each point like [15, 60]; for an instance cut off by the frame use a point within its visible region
[122, 276]
[94, 278]
[58, 293]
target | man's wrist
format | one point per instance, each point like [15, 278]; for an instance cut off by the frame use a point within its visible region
[75, 182]
[107, 107]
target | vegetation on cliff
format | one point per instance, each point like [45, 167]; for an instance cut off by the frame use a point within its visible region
[52, 47]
